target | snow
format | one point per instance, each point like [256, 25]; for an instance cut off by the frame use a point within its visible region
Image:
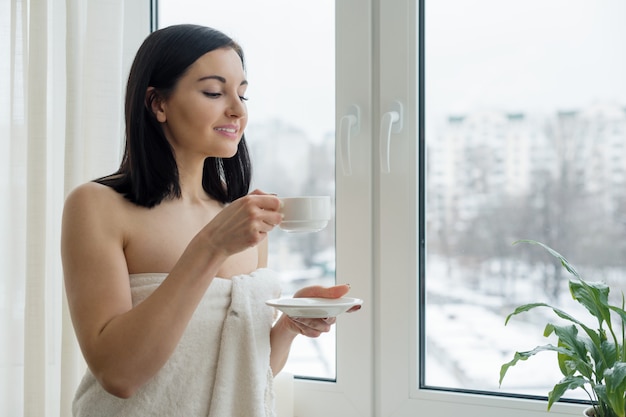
[467, 340]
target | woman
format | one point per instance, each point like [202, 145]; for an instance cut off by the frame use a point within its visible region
[165, 260]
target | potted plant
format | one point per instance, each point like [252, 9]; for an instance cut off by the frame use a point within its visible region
[592, 359]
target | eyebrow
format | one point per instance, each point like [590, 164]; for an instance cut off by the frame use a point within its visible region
[219, 78]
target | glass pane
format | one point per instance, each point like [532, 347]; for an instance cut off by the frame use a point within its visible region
[525, 139]
[290, 62]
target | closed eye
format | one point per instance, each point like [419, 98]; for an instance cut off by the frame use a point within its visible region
[216, 95]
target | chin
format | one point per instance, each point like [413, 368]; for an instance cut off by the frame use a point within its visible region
[231, 153]
[226, 154]
[224, 151]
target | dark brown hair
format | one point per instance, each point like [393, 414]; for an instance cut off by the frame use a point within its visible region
[148, 172]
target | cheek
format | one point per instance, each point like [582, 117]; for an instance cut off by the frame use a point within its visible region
[193, 109]
[196, 121]
[186, 124]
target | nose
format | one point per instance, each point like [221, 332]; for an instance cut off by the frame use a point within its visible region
[237, 108]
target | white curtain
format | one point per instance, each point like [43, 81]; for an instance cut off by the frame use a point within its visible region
[63, 65]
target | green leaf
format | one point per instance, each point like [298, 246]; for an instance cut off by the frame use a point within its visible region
[568, 339]
[603, 407]
[619, 311]
[595, 337]
[522, 356]
[524, 308]
[567, 383]
[585, 359]
[604, 357]
[615, 383]
[600, 391]
[594, 296]
[570, 268]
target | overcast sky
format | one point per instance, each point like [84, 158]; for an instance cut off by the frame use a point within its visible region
[530, 55]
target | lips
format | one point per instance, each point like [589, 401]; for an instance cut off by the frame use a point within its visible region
[230, 131]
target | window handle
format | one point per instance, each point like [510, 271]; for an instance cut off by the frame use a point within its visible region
[391, 123]
[349, 126]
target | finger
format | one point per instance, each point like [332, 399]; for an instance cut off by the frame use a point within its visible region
[263, 200]
[270, 219]
[302, 328]
[266, 226]
[353, 309]
[268, 202]
[263, 208]
[261, 192]
[319, 325]
[313, 327]
[258, 192]
[295, 323]
[318, 291]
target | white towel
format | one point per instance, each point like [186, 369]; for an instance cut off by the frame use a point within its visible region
[220, 367]
[243, 367]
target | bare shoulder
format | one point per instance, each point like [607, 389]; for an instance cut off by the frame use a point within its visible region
[95, 210]
[93, 195]
[95, 201]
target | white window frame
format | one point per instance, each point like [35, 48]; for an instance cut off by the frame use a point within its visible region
[396, 247]
[352, 393]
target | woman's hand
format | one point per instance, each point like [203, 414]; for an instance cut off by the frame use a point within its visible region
[287, 328]
[315, 327]
[243, 224]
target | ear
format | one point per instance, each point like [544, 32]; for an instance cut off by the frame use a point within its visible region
[155, 103]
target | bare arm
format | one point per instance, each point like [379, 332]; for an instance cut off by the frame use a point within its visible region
[125, 346]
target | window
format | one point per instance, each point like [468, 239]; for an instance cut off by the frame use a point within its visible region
[503, 93]
[494, 120]
[290, 68]
[525, 74]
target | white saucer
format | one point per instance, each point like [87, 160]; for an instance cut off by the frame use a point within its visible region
[303, 225]
[314, 307]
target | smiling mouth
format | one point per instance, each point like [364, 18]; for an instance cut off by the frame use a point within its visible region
[224, 129]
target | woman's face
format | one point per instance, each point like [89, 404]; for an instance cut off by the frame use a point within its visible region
[206, 113]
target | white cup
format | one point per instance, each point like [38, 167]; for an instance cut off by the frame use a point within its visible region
[305, 214]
